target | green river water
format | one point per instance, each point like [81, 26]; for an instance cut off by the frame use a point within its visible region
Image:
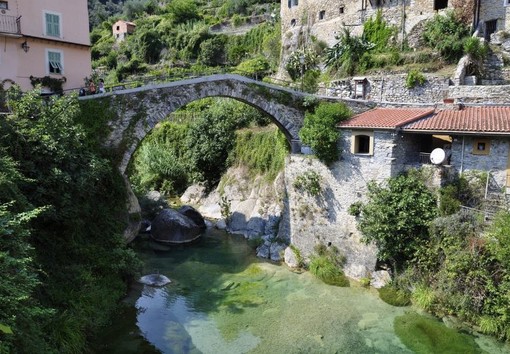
[224, 300]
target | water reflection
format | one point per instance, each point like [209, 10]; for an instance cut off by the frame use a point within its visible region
[223, 300]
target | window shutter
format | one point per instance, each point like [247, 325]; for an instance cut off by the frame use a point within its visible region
[53, 25]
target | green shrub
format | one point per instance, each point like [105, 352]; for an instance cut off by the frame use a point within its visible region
[474, 47]
[394, 296]
[446, 33]
[414, 78]
[355, 209]
[309, 182]
[319, 130]
[423, 297]
[397, 217]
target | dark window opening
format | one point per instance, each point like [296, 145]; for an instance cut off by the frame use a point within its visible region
[322, 15]
[342, 10]
[4, 5]
[118, 28]
[362, 145]
[440, 4]
[490, 28]
[293, 22]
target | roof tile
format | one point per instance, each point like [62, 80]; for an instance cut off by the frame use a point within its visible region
[467, 119]
[386, 118]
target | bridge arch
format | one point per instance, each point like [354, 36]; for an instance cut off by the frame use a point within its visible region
[140, 109]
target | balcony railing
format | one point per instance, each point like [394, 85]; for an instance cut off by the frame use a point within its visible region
[10, 24]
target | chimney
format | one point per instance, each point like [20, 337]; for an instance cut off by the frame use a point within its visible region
[450, 104]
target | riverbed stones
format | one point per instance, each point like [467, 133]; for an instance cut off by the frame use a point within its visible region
[172, 227]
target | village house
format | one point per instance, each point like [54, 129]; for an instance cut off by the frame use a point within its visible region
[44, 41]
[324, 19]
[383, 142]
[121, 29]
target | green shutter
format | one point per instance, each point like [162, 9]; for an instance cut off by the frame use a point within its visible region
[52, 25]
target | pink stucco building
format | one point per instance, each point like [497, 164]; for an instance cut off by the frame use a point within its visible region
[44, 38]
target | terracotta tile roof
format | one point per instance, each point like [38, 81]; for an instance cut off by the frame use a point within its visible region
[386, 118]
[467, 119]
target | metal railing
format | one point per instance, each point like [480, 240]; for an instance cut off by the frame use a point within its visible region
[10, 24]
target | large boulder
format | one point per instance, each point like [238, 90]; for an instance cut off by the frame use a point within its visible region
[170, 226]
[193, 214]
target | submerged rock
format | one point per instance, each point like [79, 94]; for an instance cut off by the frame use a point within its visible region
[154, 280]
[170, 226]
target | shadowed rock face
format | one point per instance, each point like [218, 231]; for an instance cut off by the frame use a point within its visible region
[193, 214]
[170, 226]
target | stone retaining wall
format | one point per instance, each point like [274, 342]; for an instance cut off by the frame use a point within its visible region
[393, 89]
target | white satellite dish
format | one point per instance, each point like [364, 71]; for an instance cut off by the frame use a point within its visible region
[437, 156]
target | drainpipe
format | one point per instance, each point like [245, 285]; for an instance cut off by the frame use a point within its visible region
[462, 157]
[487, 184]
[403, 23]
[476, 17]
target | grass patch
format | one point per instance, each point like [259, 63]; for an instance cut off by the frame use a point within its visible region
[326, 264]
[262, 151]
[329, 273]
[395, 297]
[426, 335]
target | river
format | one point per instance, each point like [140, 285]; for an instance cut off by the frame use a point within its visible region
[224, 300]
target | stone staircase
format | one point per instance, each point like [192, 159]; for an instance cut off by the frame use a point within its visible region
[493, 70]
[496, 198]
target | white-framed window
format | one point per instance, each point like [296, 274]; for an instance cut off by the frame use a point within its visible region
[362, 143]
[4, 5]
[52, 24]
[55, 61]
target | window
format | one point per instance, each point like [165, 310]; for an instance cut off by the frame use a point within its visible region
[118, 28]
[342, 9]
[293, 22]
[292, 3]
[4, 5]
[481, 147]
[322, 15]
[55, 63]
[52, 24]
[506, 2]
[440, 4]
[362, 143]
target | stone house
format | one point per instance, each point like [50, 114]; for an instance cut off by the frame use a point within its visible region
[490, 16]
[121, 29]
[323, 19]
[385, 141]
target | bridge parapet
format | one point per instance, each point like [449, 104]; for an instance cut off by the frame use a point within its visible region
[140, 109]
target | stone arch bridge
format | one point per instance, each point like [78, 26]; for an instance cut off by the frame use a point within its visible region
[139, 109]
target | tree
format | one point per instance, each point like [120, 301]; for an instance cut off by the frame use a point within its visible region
[77, 238]
[319, 130]
[396, 217]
